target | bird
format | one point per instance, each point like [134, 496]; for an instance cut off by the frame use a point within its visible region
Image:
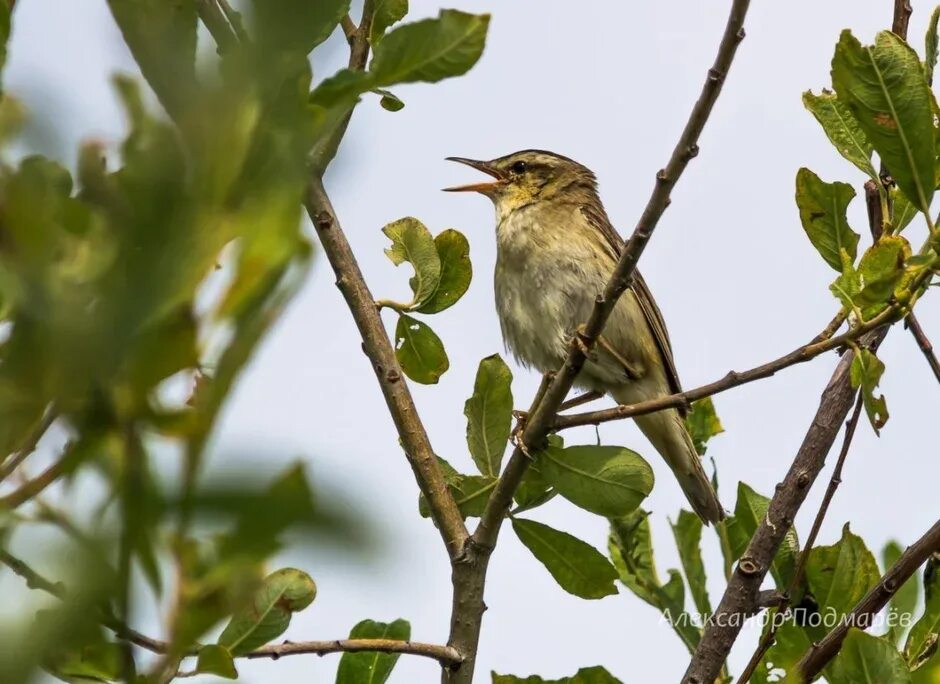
[556, 250]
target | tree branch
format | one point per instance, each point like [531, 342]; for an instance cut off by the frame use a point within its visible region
[812, 663]
[923, 342]
[768, 639]
[32, 488]
[740, 596]
[469, 575]
[732, 379]
[445, 655]
[29, 445]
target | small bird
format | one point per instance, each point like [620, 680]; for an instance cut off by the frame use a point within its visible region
[556, 250]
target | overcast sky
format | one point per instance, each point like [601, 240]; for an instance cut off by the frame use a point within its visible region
[609, 84]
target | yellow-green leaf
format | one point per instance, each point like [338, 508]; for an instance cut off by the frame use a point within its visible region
[412, 243]
[865, 373]
[822, 212]
[842, 129]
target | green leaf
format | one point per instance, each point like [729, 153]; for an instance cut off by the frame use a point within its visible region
[606, 480]
[866, 373]
[749, 512]
[578, 568]
[372, 668]
[428, 50]
[867, 659]
[99, 660]
[839, 575]
[296, 25]
[419, 351]
[905, 599]
[842, 129]
[161, 35]
[922, 643]
[431, 49]
[470, 492]
[931, 46]
[631, 549]
[412, 242]
[533, 490]
[489, 414]
[790, 644]
[904, 211]
[822, 211]
[217, 660]
[386, 13]
[390, 101]
[586, 675]
[702, 423]
[880, 271]
[688, 533]
[282, 593]
[456, 271]
[885, 87]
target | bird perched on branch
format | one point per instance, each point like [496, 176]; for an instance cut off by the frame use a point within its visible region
[556, 250]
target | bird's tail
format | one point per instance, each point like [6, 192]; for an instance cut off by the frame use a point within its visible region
[669, 436]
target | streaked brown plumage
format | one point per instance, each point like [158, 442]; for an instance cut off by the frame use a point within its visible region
[556, 250]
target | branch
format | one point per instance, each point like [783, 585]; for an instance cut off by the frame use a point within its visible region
[732, 379]
[34, 487]
[812, 663]
[469, 576]
[740, 596]
[218, 24]
[445, 655]
[29, 445]
[924, 343]
[768, 639]
[33, 579]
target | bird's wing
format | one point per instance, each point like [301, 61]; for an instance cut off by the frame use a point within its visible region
[654, 317]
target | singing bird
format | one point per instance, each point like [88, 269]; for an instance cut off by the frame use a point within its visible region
[556, 250]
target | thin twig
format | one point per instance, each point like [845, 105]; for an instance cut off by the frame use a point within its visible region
[34, 487]
[29, 444]
[924, 343]
[445, 655]
[860, 617]
[33, 579]
[768, 639]
[730, 380]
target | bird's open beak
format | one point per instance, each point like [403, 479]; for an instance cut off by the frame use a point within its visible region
[485, 167]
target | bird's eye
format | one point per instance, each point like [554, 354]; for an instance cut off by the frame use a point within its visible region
[518, 168]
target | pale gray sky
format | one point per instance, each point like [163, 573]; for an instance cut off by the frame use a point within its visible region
[610, 84]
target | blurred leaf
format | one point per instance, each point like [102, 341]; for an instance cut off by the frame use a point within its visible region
[419, 351]
[282, 593]
[578, 568]
[5, 20]
[296, 25]
[606, 480]
[533, 490]
[703, 423]
[470, 492]
[929, 673]
[412, 242]
[386, 13]
[930, 45]
[867, 659]
[389, 101]
[374, 667]
[586, 675]
[456, 271]
[922, 643]
[822, 212]
[489, 414]
[840, 575]
[217, 660]
[161, 34]
[905, 599]
[866, 373]
[749, 512]
[842, 129]
[631, 549]
[688, 533]
[885, 88]
[100, 661]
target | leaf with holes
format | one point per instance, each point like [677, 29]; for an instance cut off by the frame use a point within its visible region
[419, 351]
[866, 372]
[703, 423]
[412, 243]
[842, 129]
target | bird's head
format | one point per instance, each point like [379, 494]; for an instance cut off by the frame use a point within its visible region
[530, 176]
